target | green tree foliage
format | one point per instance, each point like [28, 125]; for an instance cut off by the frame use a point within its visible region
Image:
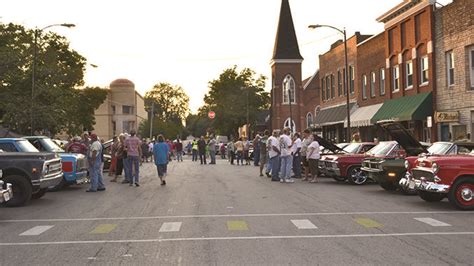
[56, 101]
[168, 129]
[198, 125]
[228, 96]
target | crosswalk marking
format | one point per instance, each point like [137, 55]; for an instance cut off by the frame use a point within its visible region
[432, 222]
[170, 227]
[37, 230]
[103, 229]
[304, 224]
[368, 223]
[237, 226]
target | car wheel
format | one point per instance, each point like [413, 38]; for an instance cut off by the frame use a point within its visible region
[389, 186]
[39, 194]
[461, 194]
[21, 188]
[356, 176]
[431, 196]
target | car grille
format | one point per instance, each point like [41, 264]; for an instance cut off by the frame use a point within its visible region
[54, 168]
[418, 174]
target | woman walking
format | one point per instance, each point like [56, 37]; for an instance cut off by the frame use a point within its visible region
[119, 154]
[313, 155]
[161, 151]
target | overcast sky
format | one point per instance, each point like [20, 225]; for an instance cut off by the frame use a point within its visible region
[190, 42]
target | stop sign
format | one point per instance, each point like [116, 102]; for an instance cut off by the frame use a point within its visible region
[212, 114]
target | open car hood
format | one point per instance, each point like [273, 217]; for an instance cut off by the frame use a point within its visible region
[329, 145]
[400, 134]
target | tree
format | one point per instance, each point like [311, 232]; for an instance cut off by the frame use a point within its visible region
[171, 103]
[168, 129]
[198, 125]
[229, 96]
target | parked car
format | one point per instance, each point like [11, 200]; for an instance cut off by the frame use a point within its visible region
[6, 192]
[388, 169]
[107, 154]
[344, 167]
[29, 173]
[452, 176]
[327, 147]
[74, 165]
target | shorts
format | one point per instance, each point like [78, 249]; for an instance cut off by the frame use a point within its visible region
[162, 169]
[264, 158]
[313, 167]
[305, 161]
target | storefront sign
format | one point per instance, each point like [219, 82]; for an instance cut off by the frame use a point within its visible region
[429, 122]
[444, 117]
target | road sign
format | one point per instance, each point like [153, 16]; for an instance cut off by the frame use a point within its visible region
[211, 114]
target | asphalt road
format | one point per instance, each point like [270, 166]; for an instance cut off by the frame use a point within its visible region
[228, 215]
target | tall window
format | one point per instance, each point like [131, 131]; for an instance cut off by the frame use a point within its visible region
[288, 87]
[328, 87]
[409, 74]
[323, 95]
[372, 84]
[471, 69]
[309, 120]
[333, 85]
[351, 79]
[128, 126]
[424, 70]
[344, 81]
[364, 87]
[450, 68]
[339, 83]
[382, 81]
[127, 110]
[287, 124]
[395, 78]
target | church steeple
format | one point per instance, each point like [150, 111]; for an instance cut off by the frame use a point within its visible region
[286, 43]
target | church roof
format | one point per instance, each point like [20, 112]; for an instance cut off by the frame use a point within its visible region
[286, 43]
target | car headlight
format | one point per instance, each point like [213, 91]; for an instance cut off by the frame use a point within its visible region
[407, 164]
[435, 168]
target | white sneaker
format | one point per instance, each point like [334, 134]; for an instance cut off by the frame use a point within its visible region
[282, 181]
[289, 180]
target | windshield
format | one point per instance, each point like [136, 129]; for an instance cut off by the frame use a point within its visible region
[342, 145]
[352, 148]
[439, 148]
[26, 146]
[50, 146]
[383, 148]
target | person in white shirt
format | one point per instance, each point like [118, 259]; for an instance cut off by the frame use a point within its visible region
[273, 147]
[307, 139]
[296, 152]
[313, 156]
[285, 156]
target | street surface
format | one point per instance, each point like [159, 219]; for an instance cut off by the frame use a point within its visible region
[228, 215]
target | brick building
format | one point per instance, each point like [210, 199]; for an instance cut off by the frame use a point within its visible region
[454, 50]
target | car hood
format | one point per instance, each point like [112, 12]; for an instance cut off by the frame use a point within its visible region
[328, 145]
[32, 155]
[412, 146]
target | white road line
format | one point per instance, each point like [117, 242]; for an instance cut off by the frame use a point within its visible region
[304, 224]
[170, 227]
[196, 239]
[432, 222]
[37, 230]
[229, 215]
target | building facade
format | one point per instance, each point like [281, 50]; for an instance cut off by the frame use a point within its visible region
[454, 49]
[122, 111]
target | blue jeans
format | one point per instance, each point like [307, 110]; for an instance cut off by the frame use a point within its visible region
[275, 166]
[126, 169]
[213, 156]
[297, 165]
[286, 163]
[134, 163]
[96, 176]
[195, 155]
[256, 157]
[179, 156]
[269, 165]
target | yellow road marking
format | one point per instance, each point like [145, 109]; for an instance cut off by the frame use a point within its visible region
[368, 223]
[103, 229]
[237, 226]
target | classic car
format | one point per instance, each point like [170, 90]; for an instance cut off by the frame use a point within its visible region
[388, 169]
[6, 192]
[452, 176]
[30, 173]
[344, 167]
[327, 147]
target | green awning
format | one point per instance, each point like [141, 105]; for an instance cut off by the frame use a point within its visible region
[407, 108]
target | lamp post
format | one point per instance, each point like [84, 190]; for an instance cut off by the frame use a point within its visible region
[33, 67]
[346, 72]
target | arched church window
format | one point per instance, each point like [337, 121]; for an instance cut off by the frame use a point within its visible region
[289, 90]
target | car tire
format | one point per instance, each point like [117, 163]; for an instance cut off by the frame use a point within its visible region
[21, 188]
[356, 176]
[431, 196]
[461, 194]
[389, 186]
[39, 194]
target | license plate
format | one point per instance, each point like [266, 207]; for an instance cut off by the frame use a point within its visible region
[411, 185]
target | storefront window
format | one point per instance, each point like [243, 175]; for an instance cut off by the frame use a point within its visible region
[459, 132]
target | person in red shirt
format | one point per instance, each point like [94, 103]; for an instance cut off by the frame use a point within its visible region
[77, 147]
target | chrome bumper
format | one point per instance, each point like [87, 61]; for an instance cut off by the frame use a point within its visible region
[50, 181]
[6, 194]
[410, 183]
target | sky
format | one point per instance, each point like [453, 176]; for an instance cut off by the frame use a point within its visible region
[190, 42]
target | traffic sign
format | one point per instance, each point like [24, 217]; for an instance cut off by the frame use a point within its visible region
[211, 114]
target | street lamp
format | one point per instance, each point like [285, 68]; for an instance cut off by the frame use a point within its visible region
[33, 67]
[346, 72]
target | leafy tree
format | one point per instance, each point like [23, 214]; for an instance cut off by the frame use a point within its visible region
[169, 129]
[198, 125]
[229, 96]
[171, 103]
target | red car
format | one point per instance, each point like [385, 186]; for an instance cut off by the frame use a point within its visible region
[347, 166]
[452, 176]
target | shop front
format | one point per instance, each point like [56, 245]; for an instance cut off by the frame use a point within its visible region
[455, 125]
[361, 120]
[331, 121]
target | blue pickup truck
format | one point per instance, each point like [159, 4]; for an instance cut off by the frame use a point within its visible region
[74, 166]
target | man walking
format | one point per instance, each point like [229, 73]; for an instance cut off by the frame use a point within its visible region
[262, 145]
[212, 150]
[95, 161]
[179, 150]
[307, 139]
[133, 147]
[256, 150]
[160, 152]
[285, 156]
[202, 150]
[195, 150]
[274, 154]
